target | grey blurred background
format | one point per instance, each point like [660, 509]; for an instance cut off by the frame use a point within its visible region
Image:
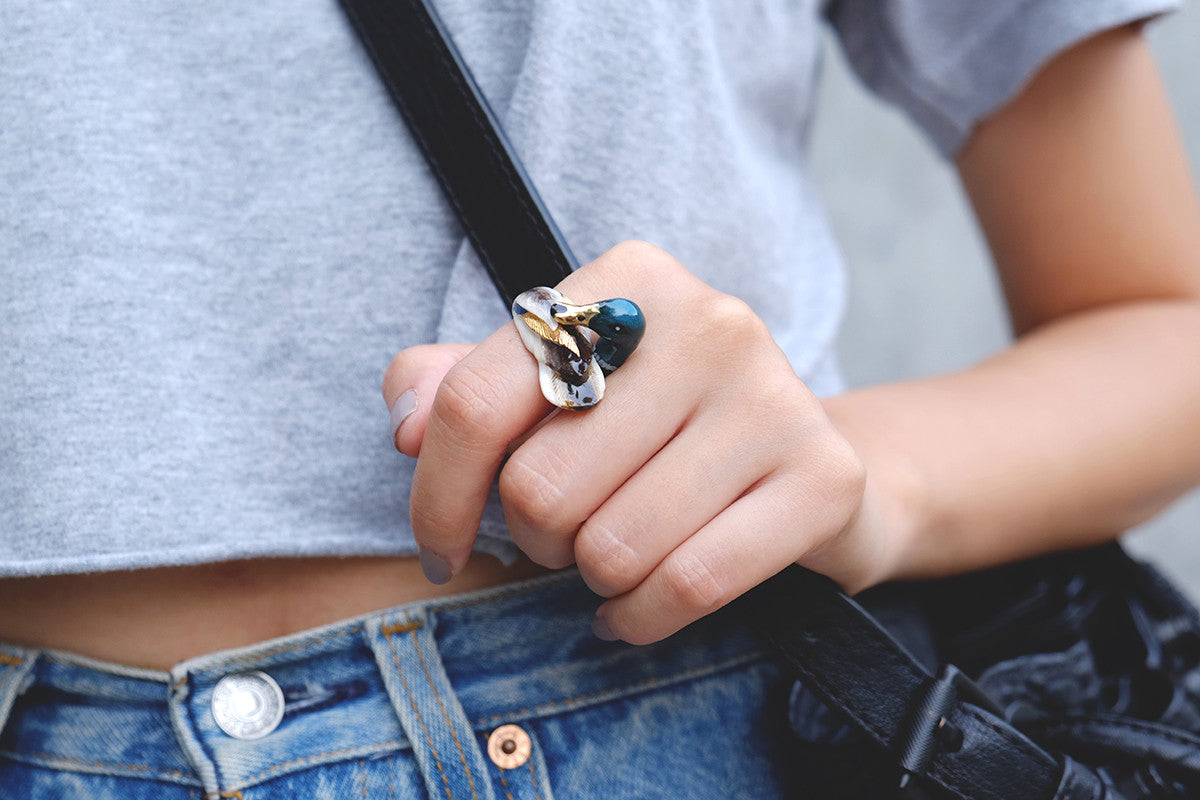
[923, 296]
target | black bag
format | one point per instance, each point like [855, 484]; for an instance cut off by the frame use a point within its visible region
[1077, 675]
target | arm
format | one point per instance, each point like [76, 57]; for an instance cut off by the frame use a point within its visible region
[709, 466]
[1090, 422]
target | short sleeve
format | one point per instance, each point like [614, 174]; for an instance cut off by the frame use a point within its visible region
[949, 63]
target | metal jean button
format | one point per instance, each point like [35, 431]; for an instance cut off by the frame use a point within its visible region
[509, 746]
[248, 705]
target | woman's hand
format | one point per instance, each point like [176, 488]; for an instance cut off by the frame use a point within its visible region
[708, 467]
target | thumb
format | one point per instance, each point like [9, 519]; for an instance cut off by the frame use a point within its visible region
[409, 385]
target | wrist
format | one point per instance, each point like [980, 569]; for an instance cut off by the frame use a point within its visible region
[895, 531]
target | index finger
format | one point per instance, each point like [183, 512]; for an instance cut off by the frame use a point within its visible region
[492, 398]
[485, 402]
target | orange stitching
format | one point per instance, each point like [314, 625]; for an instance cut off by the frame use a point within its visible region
[413, 702]
[504, 783]
[363, 766]
[14, 661]
[533, 778]
[316, 756]
[438, 696]
[235, 795]
[632, 687]
[404, 627]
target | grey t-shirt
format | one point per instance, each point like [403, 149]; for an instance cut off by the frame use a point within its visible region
[215, 232]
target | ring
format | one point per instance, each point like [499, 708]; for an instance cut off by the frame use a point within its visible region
[576, 346]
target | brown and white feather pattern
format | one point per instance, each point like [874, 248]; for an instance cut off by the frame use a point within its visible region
[569, 374]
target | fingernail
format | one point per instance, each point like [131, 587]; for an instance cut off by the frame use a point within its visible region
[405, 404]
[436, 568]
[601, 630]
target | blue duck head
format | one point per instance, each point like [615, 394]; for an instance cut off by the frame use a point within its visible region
[618, 323]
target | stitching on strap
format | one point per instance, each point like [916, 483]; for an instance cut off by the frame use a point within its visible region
[424, 731]
[404, 627]
[504, 783]
[533, 779]
[445, 716]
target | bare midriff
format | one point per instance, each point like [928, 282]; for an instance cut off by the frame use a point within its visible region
[156, 618]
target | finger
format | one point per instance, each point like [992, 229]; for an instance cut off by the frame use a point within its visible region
[574, 463]
[491, 398]
[409, 386]
[685, 486]
[743, 546]
[484, 402]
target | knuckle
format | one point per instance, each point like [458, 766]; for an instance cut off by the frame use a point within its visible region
[408, 364]
[534, 494]
[605, 558]
[549, 552]
[844, 471]
[393, 377]
[466, 403]
[853, 471]
[690, 583]
[778, 395]
[638, 251]
[636, 263]
[827, 491]
[734, 318]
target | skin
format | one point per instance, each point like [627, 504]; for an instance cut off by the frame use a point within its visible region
[671, 504]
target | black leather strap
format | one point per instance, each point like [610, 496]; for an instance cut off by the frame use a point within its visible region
[839, 652]
[495, 201]
[938, 728]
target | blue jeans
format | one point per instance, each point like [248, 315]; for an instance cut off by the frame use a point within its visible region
[400, 704]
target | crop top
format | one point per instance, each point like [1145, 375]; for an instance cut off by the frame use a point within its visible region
[215, 232]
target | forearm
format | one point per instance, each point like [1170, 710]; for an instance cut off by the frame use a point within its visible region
[1084, 427]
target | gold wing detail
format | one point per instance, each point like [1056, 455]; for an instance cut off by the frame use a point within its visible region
[557, 334]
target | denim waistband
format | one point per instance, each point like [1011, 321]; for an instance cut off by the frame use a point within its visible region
[429, 677]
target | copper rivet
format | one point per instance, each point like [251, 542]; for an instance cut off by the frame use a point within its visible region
[509, 747]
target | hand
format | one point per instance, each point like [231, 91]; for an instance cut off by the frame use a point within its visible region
[708, 467]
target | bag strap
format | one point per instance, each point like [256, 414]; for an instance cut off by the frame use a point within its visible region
[940, 728]
[495, 200]
[944, 728]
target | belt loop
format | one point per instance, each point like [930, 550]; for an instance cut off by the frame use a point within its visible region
[16, 675]
[443, 741]
[179, 708]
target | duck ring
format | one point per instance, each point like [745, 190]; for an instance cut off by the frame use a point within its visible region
[576, 346]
